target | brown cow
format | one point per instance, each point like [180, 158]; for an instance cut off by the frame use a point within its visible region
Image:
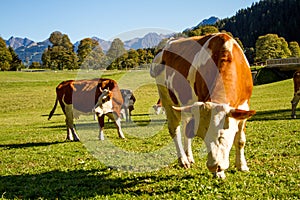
[80, 96]
[296, 98]
[206, 82]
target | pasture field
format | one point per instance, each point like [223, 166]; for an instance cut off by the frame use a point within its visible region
[37, 163]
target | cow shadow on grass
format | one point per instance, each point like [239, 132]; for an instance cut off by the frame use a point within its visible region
[78, 184]
[27, 145]
[47, 115]
[282, 114]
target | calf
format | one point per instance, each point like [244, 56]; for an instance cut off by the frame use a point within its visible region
[296, 98]
[78, 97]
[206, 82]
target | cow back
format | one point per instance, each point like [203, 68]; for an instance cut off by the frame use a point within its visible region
[80, 93]
[209, 68]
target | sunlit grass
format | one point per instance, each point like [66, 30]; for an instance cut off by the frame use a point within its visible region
[37, 162]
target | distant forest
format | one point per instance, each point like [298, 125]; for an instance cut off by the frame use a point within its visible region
[281, 17]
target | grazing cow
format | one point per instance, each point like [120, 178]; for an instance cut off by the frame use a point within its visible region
[296, 98]
[158, 107]
[206, 82]
[80, 96]
[128, 105]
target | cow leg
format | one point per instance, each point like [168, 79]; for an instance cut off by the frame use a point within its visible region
[71, 132]
[127, 114]
[188, 130]
[239, 142]
[101, 127]
[117, 121]
[69, 135]
[181, 155]
[295, 102]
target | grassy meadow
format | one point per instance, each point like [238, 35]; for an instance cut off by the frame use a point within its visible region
[37, 163]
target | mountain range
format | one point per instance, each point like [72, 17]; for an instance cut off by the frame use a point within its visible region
[30, 51]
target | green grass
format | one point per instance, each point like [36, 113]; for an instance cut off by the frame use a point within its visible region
[37, 162]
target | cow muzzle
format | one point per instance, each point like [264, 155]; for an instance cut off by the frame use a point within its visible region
[217, 163]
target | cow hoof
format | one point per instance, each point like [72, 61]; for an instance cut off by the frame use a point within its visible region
[101, 138]
[244, 168]
[220, 174]
[293, 116]
[183, 162]
[121, 135]
[191, 159]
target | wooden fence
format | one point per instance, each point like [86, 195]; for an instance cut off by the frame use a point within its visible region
[284, 64]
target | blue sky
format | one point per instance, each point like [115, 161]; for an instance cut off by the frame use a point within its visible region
[126, 19]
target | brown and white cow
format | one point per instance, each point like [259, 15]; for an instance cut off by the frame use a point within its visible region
[206, 82]
[80, 97]
[296, 98]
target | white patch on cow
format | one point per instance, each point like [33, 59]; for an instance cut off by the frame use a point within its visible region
[244, 106]
[218, 131]
[200, 59]
[169, 81]
[101, 134]
[229, 45]
[104, 108]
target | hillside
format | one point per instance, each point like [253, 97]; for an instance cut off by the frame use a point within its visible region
[281, 17]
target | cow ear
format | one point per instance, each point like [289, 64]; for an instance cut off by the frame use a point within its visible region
[241, 114]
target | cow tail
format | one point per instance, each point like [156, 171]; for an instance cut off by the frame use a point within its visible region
[53, 109]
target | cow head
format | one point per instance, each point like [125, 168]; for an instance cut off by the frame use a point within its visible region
[104, 103]
[217, 124]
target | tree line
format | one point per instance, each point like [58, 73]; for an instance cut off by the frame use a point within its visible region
[269, 46]
[90, 55]
[61, 55]
[281, 17]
